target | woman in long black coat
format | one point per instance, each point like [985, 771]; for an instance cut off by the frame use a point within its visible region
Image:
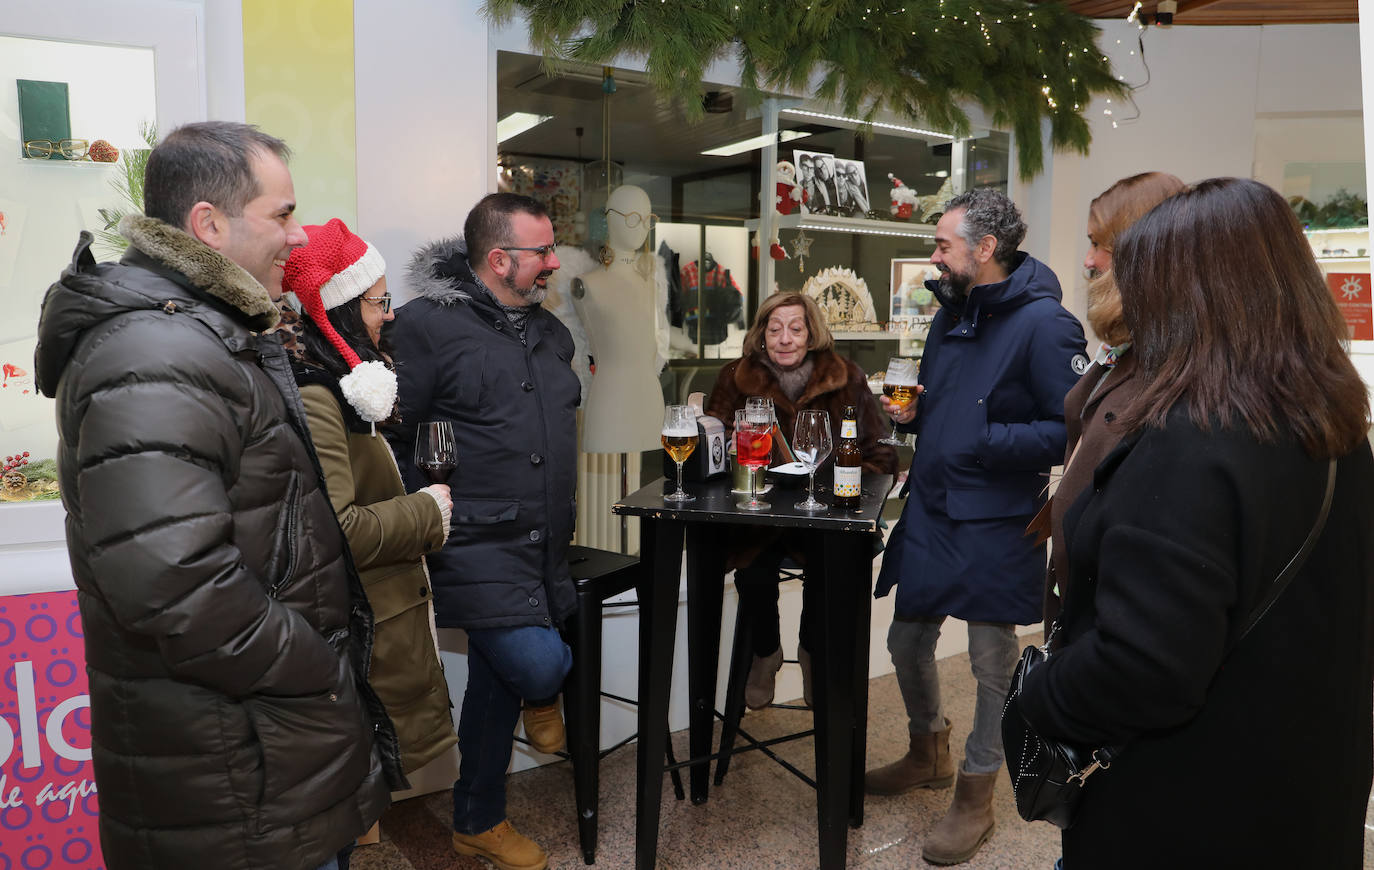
[1260, 757]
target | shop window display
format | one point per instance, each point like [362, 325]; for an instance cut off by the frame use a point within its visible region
[849, 202]
[70, 111]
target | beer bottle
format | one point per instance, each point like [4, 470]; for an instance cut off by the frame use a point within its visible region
[848, 463]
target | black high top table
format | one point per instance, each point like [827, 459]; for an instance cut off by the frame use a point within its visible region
[839, 562]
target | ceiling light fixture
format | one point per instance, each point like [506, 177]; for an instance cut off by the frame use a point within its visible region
[516, 123]
[754, 143]
[859, 122]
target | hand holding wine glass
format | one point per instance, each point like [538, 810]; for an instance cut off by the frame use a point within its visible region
[436, 452]
[899, 392]
[811, 443]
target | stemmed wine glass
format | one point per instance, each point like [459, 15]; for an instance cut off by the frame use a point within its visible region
[753, 446]
[436, 453]
[811, 445]
[679, 440]
[899, 385]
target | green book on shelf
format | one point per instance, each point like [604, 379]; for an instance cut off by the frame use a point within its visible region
[43, 114]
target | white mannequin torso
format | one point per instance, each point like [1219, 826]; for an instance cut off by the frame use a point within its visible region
[623, 411]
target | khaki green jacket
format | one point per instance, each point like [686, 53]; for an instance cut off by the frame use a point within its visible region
[388, 532]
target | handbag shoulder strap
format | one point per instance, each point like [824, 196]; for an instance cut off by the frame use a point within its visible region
[1294, 564]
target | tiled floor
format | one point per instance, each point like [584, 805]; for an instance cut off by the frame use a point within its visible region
[761, 817]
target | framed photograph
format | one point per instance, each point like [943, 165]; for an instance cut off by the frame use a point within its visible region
[912, 305]
[852, 186]
[816, 175]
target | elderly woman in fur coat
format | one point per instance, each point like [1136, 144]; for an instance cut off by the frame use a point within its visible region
[789, 357]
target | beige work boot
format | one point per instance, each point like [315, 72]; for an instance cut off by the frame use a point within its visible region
[926, 765]
[966, 827]
[544, 728]
[763, 680]
[503, 846]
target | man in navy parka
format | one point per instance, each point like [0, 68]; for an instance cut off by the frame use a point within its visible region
[1001, 354]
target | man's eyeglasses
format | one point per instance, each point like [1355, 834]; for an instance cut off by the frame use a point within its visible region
[44, 149]
[384, 301]
[543, 251]
[634, 218]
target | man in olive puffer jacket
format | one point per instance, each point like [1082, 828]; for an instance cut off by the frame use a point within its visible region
[227, 634]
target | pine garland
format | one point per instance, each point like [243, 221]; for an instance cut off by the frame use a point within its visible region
[1022, 62]
[128, 186]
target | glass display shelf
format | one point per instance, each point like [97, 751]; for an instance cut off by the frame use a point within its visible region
[832, 224]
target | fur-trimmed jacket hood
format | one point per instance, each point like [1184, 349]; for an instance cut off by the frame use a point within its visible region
[217, 291]
[440, 271]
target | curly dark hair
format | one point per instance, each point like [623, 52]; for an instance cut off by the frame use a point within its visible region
[989, 212]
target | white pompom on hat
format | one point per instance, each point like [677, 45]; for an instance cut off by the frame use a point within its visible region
[333, 267]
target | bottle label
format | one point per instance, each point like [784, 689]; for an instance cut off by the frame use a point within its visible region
[847, 480]
[849, 429]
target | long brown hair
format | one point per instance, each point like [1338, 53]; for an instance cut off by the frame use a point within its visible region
[1231, 316]
[1110, 213]
[818, 335]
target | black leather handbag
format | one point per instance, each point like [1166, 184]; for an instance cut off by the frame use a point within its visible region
[1047, 776]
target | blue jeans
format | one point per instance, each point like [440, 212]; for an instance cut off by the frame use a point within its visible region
[992, 656]
[505, 666]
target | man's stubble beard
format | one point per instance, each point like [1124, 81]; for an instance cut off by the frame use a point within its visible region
[532, 295]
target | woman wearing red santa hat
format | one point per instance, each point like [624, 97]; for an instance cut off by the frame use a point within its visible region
[347, 387]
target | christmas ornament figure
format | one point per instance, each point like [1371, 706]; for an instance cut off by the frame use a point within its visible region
[903, 199]
[790, 194]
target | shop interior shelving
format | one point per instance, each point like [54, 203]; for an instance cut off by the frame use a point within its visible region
[831, 224]
[1335, 245]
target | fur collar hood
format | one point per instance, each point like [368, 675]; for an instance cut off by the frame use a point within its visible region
[829, 374]
[203, 267]
[165, 270]
[439, 271]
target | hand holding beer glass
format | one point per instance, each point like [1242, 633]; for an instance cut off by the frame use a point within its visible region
[679, 440]
[753, 447]
[899, 386]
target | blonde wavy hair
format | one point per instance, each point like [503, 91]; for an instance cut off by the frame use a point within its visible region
[818, 335]
[1109, 215]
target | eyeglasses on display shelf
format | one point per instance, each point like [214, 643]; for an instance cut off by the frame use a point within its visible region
[67, 149]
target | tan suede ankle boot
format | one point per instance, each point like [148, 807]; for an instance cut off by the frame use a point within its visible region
[966, 827]
[926, 765]
[503, 846]
[544, 728]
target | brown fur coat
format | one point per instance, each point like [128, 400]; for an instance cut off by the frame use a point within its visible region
[835, 382]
